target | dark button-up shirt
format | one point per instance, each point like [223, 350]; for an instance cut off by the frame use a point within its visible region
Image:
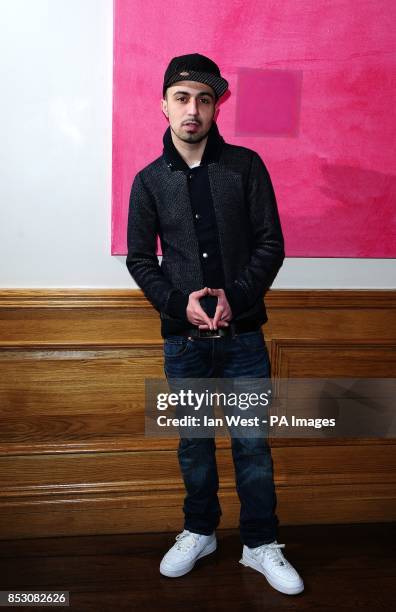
[202, 210]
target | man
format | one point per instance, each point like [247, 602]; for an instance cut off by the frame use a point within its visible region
[214, 208]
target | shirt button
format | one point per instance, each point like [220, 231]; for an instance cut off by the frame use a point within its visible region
[197, 216]
[205, 255]
[190, 176]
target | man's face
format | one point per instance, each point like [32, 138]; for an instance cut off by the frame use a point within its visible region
[190, 108]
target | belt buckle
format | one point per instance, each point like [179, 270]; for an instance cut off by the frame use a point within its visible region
[208, 333]
[221, 332]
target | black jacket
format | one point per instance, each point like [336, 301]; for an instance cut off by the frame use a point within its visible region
[248, 226]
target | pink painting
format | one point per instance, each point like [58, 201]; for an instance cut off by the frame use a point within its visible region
[311, 89]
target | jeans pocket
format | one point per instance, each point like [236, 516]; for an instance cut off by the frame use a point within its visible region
[176, 346]
[252, 341]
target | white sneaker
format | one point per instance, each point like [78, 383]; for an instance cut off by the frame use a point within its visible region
[269, 560]
[181, 558]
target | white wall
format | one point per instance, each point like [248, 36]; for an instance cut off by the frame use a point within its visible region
[55, 157]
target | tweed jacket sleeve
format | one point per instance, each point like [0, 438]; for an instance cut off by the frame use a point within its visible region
[142, 261]
[267, 252]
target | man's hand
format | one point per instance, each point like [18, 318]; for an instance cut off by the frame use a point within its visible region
[197, 316]
[195, 313]
[223, 312]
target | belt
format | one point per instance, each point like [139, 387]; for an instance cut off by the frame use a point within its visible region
[232, 330]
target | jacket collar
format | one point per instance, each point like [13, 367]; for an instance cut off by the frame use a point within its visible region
[212, 151]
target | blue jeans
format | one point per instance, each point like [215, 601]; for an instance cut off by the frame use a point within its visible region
[244, 355]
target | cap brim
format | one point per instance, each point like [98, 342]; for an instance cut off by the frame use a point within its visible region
[218, 84]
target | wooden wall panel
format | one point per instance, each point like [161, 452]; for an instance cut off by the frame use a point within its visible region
[302, 358]
[75, 396]
[140, 491]
[73, 456]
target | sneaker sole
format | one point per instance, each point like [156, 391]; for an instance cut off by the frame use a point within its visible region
[276, 585]
[181, 572]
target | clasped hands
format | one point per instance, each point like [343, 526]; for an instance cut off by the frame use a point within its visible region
[197, 316]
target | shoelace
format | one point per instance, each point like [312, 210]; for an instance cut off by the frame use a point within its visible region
[272, 551]
[186, 540]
